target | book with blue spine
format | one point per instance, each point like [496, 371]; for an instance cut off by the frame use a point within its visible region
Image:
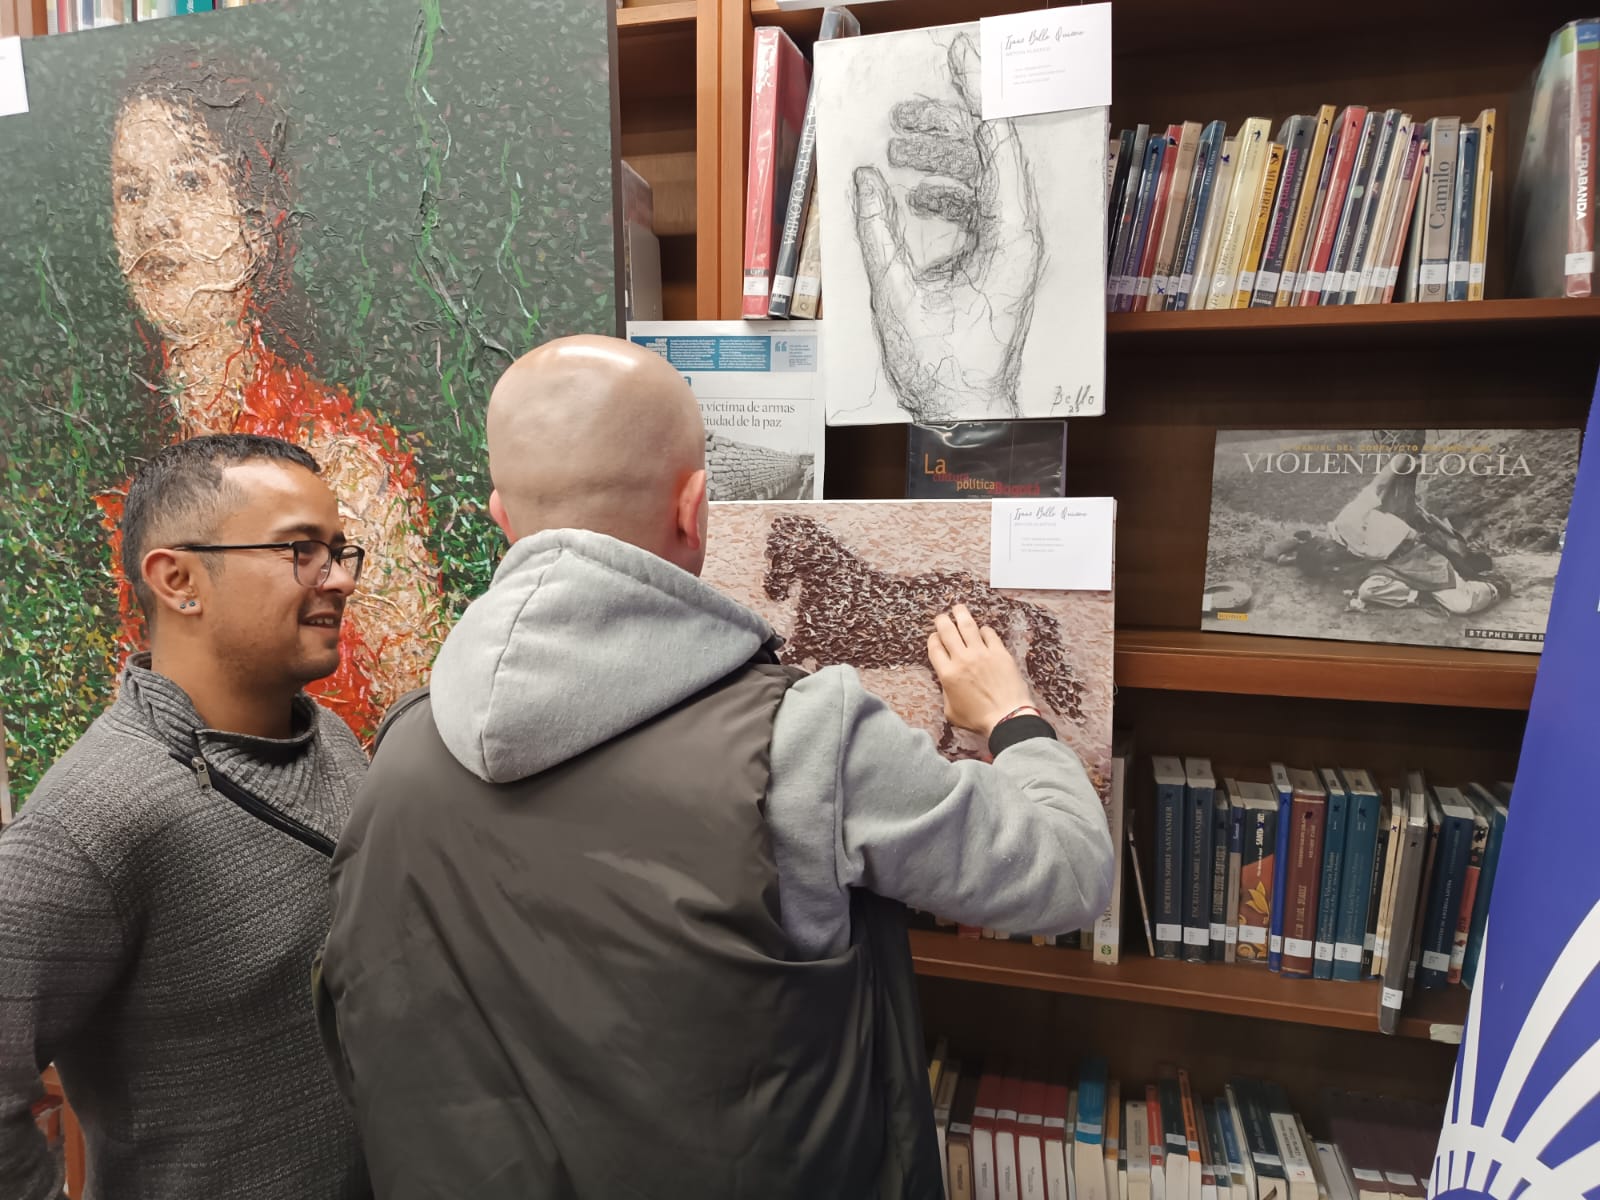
[1493, 808]
[1198, 863]
[1362, 820]
[1444, 893]
[1170, 787]
[1225, 854]
[1280, 858]
[1088, 1141]
[1332, 875]
[1461, 218]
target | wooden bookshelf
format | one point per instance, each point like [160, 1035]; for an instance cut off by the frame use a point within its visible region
[1208, 987]
[1487, 323]
[1173, 380]
[1191, 661]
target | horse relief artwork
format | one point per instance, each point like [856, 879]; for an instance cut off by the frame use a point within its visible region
[228, 224]
[858, 583]
[966, 264]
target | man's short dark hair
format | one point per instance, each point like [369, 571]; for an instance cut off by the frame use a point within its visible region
[181, 495]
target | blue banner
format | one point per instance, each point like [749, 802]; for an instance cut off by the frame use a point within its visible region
[1523, 1121]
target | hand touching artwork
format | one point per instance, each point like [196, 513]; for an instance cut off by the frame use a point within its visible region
[952, 331]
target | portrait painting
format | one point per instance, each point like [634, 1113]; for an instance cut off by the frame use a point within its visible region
[239, 222]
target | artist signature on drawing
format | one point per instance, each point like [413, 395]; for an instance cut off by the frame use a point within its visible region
[1075, 404]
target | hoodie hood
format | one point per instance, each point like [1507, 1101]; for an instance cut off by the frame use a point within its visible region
[579, 638]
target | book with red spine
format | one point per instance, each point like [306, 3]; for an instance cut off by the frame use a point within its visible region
[983, 1131]
[1308, 814]
[1055, 1141]
[1006, 1131]
[1350, 124]
[780, 80]
[1030, 1141]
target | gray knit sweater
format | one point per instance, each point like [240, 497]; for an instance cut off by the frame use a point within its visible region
[156, 943]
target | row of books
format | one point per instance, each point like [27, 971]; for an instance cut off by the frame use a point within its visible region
[1316, 874]
[1008, 1136]
[1332, 209]
[70, 16]
[1310, 873]
[782, 227]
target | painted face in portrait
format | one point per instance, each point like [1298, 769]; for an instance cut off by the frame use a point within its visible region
[186, 244]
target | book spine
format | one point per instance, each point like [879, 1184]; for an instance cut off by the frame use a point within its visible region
[1356, 886]
[1372, 133]
[1296, 160]
[1444, 900]
[1433, 276]
[1250, 260]
[1205, 263]
[1244, 200]
[1380, 188]
[1280, 875]
[759, 196]
[1149, 185]
[1107, 931]
[1197, 864]
[1221, 828]
[1469, 896]
[1380, 882]
[1169, 870]
[1480, 208]
[1313, 278]
[1313, 190]
[1461, 218]
[1405, 208]
[808, 277]
[1307, 817]
[1256, 883]
[1116, 191]
[1480, 905]
[1332, 879]
[1160, 200]
[1585, 91]
[1127, 208]
[1194, 209]
[1230, 909]
[1179, 196]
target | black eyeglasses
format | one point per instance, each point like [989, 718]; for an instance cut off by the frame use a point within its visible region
[313, 560]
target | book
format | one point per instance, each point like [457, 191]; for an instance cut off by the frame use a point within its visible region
[836, 22]
[1136, 1118]
[1456, 831]
[1463, 207]
[1255, 238]
[1202, 185]
[1495, 808]
[1031, 1109]
[1403, 909]
[1114, 1156]
[1241, 212]
[1469, 888]
[944, 1104]
[1332, 874]
[1055, 1141]
[958, 1140]
[1313, 189]
[1224, 932]
[1343, 148]
[1481, 204]
[1363, 814]
[1390, 536]
[1198, 863]
[1297, 142]
[976, 460]
[1208, 240]
[1284, 790]
[1303, 871]
[1088, 1144]
[1169, 856]
[779, 85]
[1444, 137]
[1106, 936]
[1257, 807]
[1127, 207]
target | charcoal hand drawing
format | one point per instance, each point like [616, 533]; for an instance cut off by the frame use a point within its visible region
[951, 331]
[963, 281]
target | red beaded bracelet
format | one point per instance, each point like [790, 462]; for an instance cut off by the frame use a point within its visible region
[1021, 708]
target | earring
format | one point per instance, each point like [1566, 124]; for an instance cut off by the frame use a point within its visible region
[190, 603]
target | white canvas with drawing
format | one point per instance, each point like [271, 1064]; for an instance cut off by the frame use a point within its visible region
[963, 260]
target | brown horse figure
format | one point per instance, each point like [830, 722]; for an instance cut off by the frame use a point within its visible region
[851, 612]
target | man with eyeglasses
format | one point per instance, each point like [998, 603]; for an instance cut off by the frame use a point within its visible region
[164, 892]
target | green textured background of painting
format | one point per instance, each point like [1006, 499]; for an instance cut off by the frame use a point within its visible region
[452, 168]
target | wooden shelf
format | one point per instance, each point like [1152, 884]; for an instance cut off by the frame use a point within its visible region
[1239, 990]
[1364, 326]
[1195, 661]
[1162, 26]
[656, 16]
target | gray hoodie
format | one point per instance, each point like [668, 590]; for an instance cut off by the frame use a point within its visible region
[582, 637]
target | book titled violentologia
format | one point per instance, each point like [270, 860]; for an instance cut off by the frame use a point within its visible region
[1440, 537]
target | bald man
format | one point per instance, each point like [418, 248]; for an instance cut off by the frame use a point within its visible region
[619, 910]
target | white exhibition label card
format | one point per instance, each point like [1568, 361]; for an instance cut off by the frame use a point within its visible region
[13, 83]
[1050, 60]
[1063, 545]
